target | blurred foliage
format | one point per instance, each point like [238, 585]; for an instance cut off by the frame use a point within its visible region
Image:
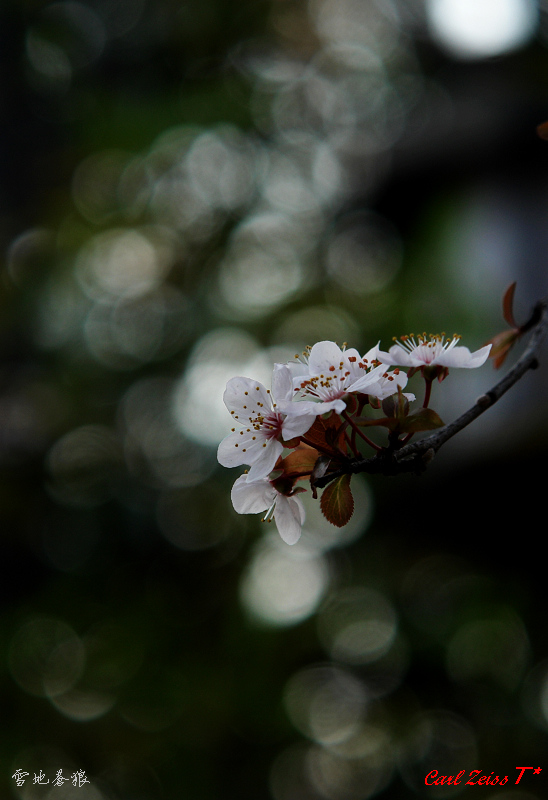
[193, 191]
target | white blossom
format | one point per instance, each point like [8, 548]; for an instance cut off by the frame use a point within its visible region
[252, 497]
[261, 421]
[433, 350]
[328, 373]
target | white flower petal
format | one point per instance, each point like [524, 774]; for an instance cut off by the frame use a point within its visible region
[289, 517]
[230, 453]
[242, 397]
[463, 358]
[397, 356]
[242, 447]
[373, 354]
[367, 380]
[322, 356]
[388, 383]
[337, 405]
[298, 370]
[296, 408]
[252, 498]
[282, 383]
[310, 407]
[298, 507]
[256, 445]
[352, 359]
[263, 464]
[297, 425]
[351, 352]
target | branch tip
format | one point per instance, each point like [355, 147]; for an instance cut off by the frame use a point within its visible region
[415, 456]
[400, 457]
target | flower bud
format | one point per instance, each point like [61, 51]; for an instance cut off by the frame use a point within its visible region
[397, 405]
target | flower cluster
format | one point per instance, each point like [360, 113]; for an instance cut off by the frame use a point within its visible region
[312, 420]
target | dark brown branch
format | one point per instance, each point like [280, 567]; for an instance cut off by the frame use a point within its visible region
[415, 456]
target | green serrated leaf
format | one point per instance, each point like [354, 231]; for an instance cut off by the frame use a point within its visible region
[337, 503]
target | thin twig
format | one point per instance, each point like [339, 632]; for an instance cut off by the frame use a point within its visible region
[355, 428]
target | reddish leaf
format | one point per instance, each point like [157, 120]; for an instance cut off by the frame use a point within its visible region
[316, 433]
[300, 462]
[501, 346]
[542, 130]
[397, 405]
[334, 437]
[499, 360]
[508, 305]
[326, 433]
[337, 503]
[351, 404]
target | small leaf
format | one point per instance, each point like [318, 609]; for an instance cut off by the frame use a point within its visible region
[337, 503]
[501, 346]
[351, 404]
[508, 305]
[300, 462]
[542, 130]
[396, 405]
[424, 419]
[326, 433]
[335, 436]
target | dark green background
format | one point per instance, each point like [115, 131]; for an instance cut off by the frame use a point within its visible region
[440, 159]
